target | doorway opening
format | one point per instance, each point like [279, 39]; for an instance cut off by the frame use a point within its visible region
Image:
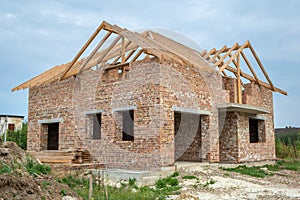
[53, 136]
[187, 133]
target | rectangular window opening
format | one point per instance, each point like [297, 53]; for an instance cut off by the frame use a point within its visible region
[128, 125]
[11, 127]
[97, 126]
[253, 130]
[257, 131]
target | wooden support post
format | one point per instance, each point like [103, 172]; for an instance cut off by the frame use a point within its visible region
[239, 87]
[123, 50]
[90, 186]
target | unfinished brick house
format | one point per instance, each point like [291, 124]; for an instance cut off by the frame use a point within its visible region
[142, 101]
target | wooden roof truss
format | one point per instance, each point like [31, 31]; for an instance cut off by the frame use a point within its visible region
[127, 46]
[119, 46]
[227, 57]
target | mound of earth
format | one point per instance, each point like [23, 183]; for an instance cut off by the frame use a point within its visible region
[18, 182]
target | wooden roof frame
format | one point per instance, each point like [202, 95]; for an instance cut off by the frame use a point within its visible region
[129, 46]
[233, 55]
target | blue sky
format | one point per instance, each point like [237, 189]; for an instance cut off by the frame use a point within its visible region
[37, 35]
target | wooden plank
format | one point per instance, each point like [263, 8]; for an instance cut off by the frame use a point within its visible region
[250, 67]
[260, 65]
[109, 48]
[239, 88]
[95, 51]
[85, 46]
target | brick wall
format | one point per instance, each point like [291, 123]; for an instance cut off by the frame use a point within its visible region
[235, 143]
[152, 87]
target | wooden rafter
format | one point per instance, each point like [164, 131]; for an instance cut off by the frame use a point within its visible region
[94, 51]
[260, 65]
[108, 49]
[150, 44]
[226, 55]
[250, 67]
[126, 49]
[85, 46]
[234, 55]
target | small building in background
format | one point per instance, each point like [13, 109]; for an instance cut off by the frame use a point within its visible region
[10, 123]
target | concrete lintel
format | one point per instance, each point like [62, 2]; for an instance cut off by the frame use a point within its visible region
[258, 117]
[235, 107]
[121, 109]
[191, 110]
[50, 121]
[91, 112]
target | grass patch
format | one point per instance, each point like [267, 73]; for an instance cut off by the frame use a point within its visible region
[35, 169]
[284, 164]
[251, 171]
[5, 169]
[290, 165]
[129, 191]
[190, 177]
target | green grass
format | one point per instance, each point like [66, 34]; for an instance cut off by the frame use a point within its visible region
[5, 169]
[35, 168]
[291, 165]
[284, 164]
[251, 171]
[190, 177]
[163, 187]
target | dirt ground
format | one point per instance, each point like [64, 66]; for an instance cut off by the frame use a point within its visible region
[19, 184]
[214, 183]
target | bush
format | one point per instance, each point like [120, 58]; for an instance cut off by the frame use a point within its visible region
[19, 137]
